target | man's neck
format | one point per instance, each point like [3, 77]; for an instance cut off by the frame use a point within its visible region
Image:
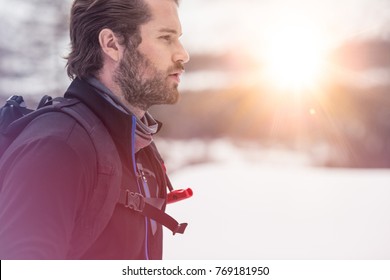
[116, 90]
[139, 113]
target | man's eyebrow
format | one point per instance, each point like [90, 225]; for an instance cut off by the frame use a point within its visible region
[169, 30]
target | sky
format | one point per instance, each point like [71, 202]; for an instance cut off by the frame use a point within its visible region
[290, 39]
[252, 28]
[218, 25]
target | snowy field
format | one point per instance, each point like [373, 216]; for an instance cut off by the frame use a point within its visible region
[259, 204]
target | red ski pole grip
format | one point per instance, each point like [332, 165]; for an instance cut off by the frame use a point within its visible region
[177, 195]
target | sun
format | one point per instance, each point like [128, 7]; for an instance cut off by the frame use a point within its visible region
[294, 56]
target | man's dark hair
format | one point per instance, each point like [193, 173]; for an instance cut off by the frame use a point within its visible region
[88, 18]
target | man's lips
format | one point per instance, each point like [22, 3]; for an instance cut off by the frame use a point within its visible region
[176, 75]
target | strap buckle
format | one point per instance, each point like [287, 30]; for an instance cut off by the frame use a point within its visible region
[134, 201]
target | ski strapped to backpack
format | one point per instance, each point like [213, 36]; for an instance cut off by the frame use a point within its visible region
[15, 116]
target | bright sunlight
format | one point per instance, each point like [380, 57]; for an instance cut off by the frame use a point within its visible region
[294, 56]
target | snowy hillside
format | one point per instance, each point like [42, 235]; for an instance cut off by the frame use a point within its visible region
[267, 209]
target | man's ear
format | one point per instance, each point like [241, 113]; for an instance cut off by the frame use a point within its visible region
[110, 44]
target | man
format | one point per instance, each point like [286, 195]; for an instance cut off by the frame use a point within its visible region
[59, 179]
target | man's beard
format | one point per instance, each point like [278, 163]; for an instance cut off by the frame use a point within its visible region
[144, 92]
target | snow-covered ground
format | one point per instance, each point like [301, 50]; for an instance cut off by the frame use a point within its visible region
[248, 205]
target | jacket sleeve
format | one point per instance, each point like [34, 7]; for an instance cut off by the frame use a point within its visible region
[41, 195]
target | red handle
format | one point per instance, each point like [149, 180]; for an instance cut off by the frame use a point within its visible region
[177, 195]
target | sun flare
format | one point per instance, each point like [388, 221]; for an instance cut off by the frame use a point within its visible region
[294, 57]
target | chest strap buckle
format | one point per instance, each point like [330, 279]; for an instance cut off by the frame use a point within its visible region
[134, 201]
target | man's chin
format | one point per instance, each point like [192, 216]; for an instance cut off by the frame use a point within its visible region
[173, 98]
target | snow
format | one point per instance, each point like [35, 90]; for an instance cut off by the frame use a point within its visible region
[254, 207]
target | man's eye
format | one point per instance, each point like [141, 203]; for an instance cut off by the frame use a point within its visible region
[166, 38]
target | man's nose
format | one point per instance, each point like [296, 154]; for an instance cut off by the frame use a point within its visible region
[181, 54]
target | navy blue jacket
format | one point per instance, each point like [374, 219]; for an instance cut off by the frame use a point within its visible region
[48, 176]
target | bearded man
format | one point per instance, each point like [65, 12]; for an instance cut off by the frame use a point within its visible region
[94, 186]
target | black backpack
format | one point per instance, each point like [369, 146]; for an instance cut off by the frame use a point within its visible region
[14, 116]
[13, 110]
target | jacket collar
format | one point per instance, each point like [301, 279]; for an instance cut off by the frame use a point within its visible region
[118, 123]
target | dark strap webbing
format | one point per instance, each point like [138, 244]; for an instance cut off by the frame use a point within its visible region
[144, 206]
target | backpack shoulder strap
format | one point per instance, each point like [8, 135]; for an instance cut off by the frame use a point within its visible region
[108, 191]
[101, 205]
